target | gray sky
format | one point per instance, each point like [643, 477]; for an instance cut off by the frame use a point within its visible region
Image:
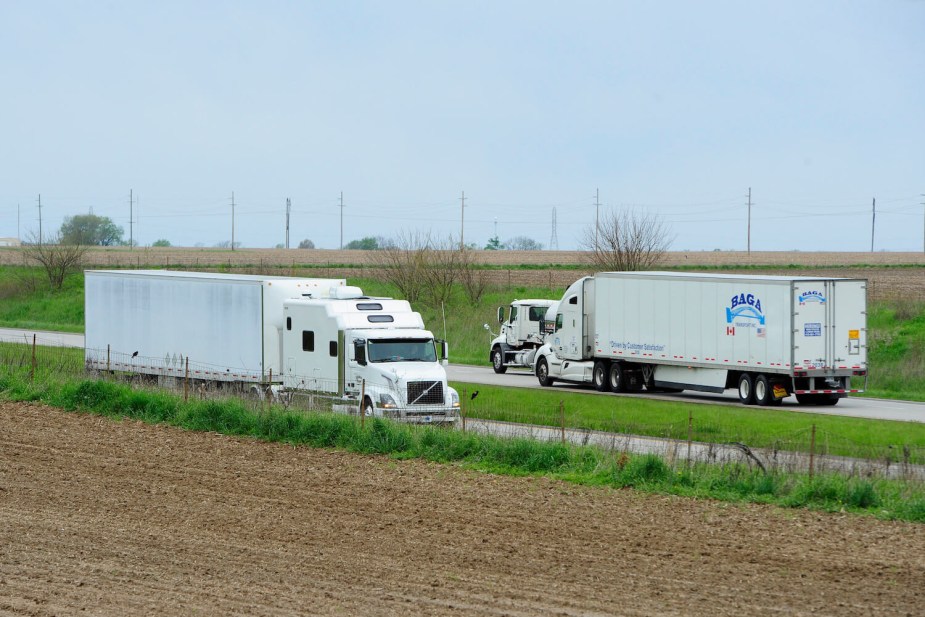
[672, 108]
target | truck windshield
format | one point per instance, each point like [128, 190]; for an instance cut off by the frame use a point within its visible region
[402, 350]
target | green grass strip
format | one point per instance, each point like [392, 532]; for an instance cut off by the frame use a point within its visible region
[759, 427]
[887, 499]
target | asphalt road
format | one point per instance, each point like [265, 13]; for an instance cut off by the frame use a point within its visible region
[857, 407]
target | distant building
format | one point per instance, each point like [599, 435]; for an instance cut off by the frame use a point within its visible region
[10, 242]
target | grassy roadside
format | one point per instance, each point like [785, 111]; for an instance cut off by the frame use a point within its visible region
[758, 427]
[887, 499]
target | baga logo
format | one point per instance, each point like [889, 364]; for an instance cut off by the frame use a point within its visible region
[746, 306]
[811, 296]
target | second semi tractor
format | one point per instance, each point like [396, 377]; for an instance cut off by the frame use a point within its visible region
[768, 337]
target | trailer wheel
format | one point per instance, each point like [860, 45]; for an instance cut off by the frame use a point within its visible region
[763, 393]
[542, 373]
[497, 361]
[599, 376]
[746, 389]
[615, 378]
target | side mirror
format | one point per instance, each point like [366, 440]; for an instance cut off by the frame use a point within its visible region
[444, 352]
[500, 314]
[359, 352]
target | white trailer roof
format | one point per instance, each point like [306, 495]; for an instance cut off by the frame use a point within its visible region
[704, 275]
[254, 278]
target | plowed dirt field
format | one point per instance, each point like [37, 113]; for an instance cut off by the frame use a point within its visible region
[122, 518]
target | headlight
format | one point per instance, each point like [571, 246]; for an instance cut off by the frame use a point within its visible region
[454, 398]
[386, 401]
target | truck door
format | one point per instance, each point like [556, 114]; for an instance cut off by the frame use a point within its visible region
[829, 324]
[510, 327]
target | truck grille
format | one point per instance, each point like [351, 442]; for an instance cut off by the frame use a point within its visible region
[417, 390]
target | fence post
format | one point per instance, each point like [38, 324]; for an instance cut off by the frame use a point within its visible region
[812, 452]
[690, 431]
[462, 408]
[269, 389]
[186, 382]
[32, 370]
[107, 360]
[562, 419]
[362, 402]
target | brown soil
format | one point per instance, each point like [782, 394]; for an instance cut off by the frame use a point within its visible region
[117, 518]
[887, 281]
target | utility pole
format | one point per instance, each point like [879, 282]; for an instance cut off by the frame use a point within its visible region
[40, 219]
[554, 238]
[288, 211]
[749, 221]
[873, 224]
[341, 220]
[923, 224]
[462, 220]
[232, 220]
[131, 220]
[597, 219]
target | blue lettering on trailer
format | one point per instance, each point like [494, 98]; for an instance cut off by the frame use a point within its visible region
[747, 306]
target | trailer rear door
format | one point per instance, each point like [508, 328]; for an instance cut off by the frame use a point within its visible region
[829, 322]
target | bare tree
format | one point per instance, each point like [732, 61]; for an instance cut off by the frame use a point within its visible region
[442, 269]
[403, 262]
[58, 260]
[473, 278]
[626, 240]
[523, 243]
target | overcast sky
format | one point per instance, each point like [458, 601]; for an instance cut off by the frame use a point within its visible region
[674, 109]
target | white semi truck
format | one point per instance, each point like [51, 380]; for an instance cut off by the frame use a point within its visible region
[262, 333]
[521, 334]
[768, 337]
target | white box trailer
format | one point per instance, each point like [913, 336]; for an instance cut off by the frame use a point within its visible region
[317, 336]
[767, 336]
[229, 325]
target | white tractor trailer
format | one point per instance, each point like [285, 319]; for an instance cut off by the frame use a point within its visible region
[768, 337]
[259, 333]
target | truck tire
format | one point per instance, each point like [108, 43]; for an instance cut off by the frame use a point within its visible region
[497, 361]
[615, 378]
[542, 373]
[368, 409]
[746, 389]
[600, 377]
[763, 394]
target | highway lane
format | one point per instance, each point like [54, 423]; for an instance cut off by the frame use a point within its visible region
[857, 407]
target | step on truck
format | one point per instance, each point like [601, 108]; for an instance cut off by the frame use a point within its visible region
[767, 337]
[521, 334]
[269, 334]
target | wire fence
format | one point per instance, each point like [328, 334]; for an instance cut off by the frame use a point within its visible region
[682, 442]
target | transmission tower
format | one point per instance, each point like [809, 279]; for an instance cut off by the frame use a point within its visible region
[554, 238]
